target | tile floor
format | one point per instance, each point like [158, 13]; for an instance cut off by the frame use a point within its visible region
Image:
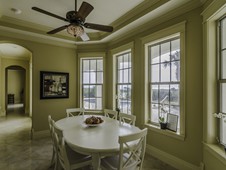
[19, 152]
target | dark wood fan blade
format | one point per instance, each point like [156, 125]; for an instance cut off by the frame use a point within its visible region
[57, 29]
[99, 27]
[48, 13]
[85, 10]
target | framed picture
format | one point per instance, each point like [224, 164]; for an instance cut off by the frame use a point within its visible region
[172, 121]
[54, 85]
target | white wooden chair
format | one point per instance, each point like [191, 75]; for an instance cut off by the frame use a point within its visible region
[111, 113]
[67, 158]
[131, 156]
[54, 154]
[126, 118]
[75, 111]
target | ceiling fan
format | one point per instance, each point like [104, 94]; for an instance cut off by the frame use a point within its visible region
[77, 21]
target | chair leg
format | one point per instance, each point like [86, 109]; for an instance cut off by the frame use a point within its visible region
[53, 160]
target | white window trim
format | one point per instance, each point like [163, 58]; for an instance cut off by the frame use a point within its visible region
[210, 15]
[94, 55]
[129, 47]
[167, 33]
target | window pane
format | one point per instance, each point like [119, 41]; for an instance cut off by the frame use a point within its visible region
[154, 54]
[92, 77]
[129, 60]
[129, 92]
[85, 78]
[165, 52]
[93, 65]
[125, 61]
[99, 65]
[223, 97]
[175, 56]
[154, 103]
[125, 75]
[155, 73]
[98, 91]
[85, 65]
[223, 32]
[165, 72]
[99, 103]
[164, 94]
[174, 99]
[223, 130]
[155, 94]
[85, 91]
[99, 77]
[120, 76]
[92, 104]
[155, 113]
[120, 65]
[175, 45]
[129, 76]
[223, 65]
[175, 71]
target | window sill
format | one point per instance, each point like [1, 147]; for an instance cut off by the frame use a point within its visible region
[217, 151]
[166, 132]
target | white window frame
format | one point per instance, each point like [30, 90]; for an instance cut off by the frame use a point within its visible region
[90, 56]
[115, 52]
[220, 82]
[168, 33]
[210, 126]
[124, 84]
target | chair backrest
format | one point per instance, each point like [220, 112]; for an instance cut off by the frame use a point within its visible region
[111, 113]
[75, 111]
[134, 152]
[126, 118]
[51, 128]
[61, 148]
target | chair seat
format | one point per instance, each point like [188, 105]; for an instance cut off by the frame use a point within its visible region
[112, 162]
[75, 157]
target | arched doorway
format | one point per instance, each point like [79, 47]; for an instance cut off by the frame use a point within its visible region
[15, 89]
[15, 57]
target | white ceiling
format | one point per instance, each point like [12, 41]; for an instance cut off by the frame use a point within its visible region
[124, 15]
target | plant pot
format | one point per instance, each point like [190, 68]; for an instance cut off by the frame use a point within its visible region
[163, 125]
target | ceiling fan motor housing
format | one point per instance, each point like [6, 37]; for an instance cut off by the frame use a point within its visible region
[74, 18]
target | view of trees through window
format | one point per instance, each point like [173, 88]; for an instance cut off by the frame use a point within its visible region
[92, 83]
[164, 78]
[124, 82]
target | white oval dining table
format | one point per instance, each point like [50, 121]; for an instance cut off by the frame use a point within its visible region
[98, 141]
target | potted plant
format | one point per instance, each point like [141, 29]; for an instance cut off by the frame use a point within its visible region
[163, 117]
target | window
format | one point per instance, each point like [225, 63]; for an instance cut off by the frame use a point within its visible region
[222, 79]
[92, 83]
[123, 82]
[164, 78]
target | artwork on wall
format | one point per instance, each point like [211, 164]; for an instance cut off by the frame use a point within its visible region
[54, 85]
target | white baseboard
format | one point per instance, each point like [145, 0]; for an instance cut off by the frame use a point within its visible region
[39, 134]
[170, 159]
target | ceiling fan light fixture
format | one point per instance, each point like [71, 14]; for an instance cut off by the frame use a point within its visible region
[75, 30]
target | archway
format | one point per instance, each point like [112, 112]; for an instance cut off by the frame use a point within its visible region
[15, 89]
[15, 56]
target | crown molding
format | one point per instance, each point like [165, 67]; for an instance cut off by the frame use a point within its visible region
[152, 22]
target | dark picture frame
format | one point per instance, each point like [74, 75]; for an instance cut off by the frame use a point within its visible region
[172, 122]
[54, 85]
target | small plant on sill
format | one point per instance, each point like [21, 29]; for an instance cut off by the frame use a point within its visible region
[162, 117]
